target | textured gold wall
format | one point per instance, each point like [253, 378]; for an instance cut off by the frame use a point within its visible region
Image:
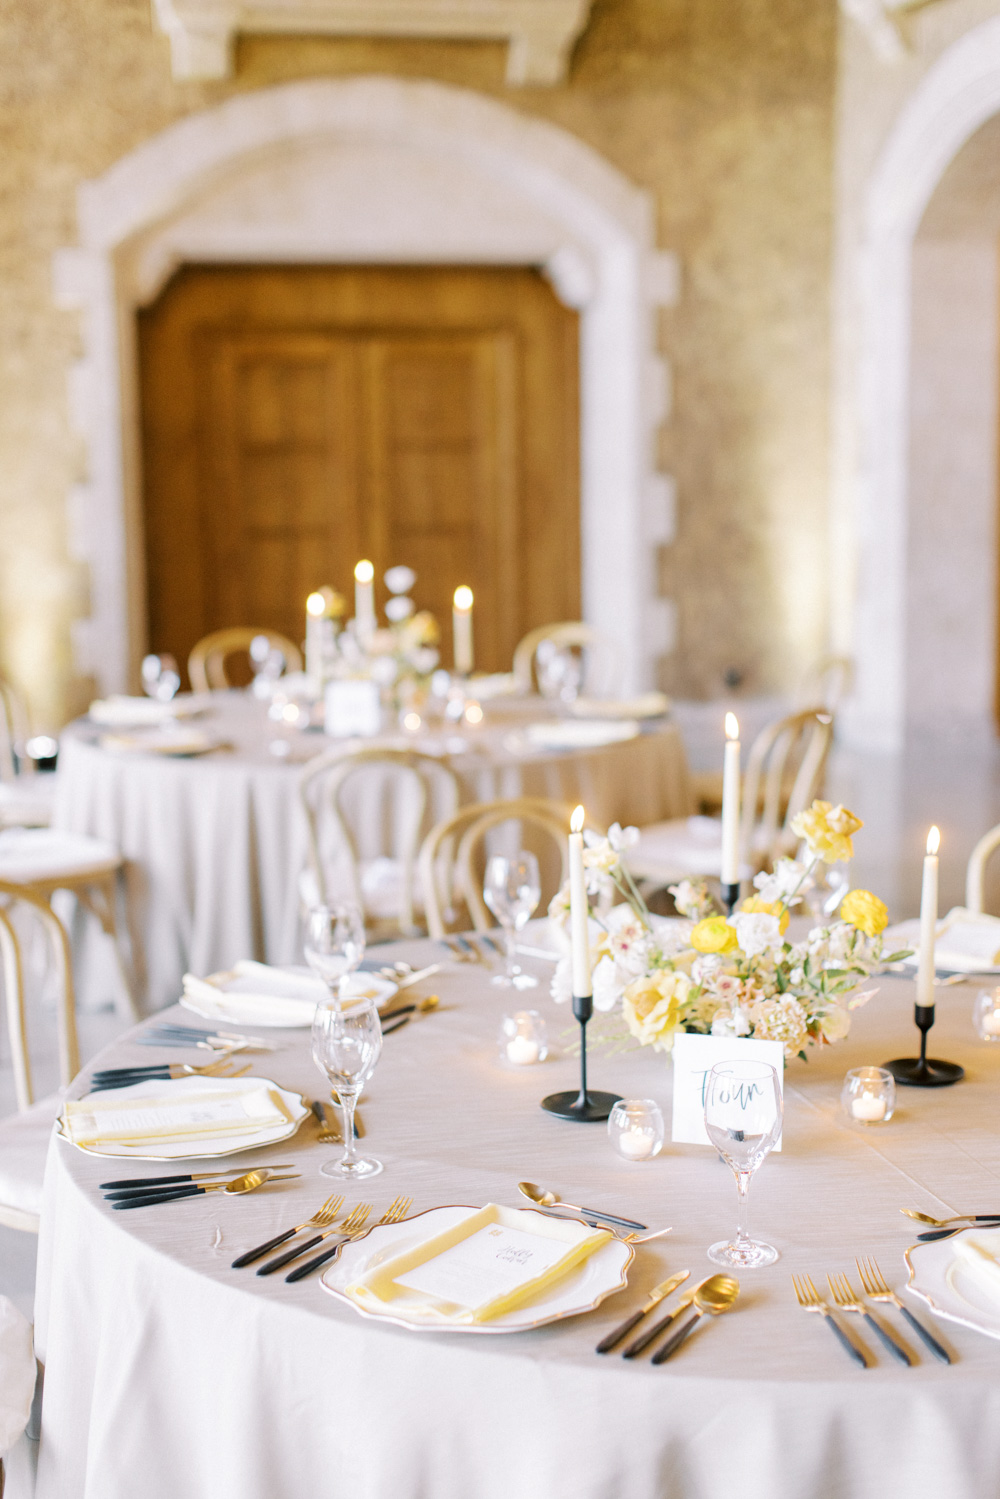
[722, 109]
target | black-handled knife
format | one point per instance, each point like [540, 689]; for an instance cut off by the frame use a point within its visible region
[141, 1183]
[656, 1295]
[146, 1199]
[947, 1233]
[660, 1325]
[675, 1341]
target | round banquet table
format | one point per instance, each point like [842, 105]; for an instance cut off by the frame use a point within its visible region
[169, 1373]
[214, 845]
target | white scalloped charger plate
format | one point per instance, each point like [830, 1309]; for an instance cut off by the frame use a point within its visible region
[948, 1287]
[584, 1288]
[209, 1148]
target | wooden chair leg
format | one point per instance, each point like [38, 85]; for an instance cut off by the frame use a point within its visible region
[105, 889]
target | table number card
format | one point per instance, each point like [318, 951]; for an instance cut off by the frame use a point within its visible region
[352, 707]
[694, 1058]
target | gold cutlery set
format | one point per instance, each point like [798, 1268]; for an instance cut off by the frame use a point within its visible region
[713, 1296]
[845, 1299]
[354, 1226]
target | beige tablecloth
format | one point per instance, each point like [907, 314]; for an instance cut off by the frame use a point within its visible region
[168, 1373]
[214, 845]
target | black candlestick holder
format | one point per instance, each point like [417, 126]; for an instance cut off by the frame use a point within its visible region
[924, 1071]
[582, 1106]
[730, 895]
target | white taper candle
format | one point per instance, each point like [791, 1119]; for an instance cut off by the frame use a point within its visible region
[578, 910]
[928, 920]
[364, 598]
[461, 624]
[731, 804]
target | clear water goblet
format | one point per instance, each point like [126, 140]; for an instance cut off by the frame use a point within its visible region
[161, 679]
[512, 889]
[346, 1045]
[743, 1117]
[335, 944]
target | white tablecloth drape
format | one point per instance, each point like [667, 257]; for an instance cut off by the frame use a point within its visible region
[214, 845]
[168, 1373]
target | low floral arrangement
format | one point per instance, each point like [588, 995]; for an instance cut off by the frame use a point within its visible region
[402, 657]
[737, 975]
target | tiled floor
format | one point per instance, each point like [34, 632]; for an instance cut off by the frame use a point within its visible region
[956, 786]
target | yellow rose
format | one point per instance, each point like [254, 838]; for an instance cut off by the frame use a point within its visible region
[827, 830]
[768, 908]
[714, 934]
[865, 911]
[652, 1007]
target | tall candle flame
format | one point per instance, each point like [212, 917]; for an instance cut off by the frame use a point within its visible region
[364, 572]
[316, 604]
[463, 597]
[576, 821]
[732, 727]
[933, 840]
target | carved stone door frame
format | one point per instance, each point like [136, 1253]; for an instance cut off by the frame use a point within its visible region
[375, 170]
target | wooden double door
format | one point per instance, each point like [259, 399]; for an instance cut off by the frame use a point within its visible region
[295, 419]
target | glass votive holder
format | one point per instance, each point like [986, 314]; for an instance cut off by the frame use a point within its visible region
[986, 1014]
[869, 1095]
[635, 1128]
[523, 1038]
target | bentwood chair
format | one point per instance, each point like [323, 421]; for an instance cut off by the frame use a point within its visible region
[393, 795]
[40, 861]
[453, 856]
[207, 662]
[24, 1137]
[785, 769]
[975, 873]
[601, 656]
[25, 797]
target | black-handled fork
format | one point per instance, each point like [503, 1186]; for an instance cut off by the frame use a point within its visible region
[877, 1288]
[394, 1213]
[320, 1219]
[845, 1298]
[810, 1300]
[354, 1221]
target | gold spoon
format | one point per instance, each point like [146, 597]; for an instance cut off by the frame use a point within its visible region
[715, 1296]
[546, 1199]
[944, 1222]
[248, 1183]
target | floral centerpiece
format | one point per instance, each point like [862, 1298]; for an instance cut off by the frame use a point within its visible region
[401, 658]
[737, 975]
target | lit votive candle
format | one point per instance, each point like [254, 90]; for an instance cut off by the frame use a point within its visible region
[635, 1128]
[869, 1095]
[986, 1014]
[523, 1039]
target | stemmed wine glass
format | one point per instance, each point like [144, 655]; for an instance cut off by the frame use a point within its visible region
[743, 1116]
[160, 678]
[335, 944]
[512, 889]
[346, 1044]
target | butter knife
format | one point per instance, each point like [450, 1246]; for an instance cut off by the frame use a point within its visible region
[656, 1295]
[645, 1338]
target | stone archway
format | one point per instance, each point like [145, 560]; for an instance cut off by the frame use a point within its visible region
[375, 170]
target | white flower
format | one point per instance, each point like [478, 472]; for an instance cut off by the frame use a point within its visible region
[757, 932]
[630, 944]
[598, 853]
[782, 1020]
[705, 966]
[834, 1023]
[784, 882]
[732, 1023]
[561, 987]
[622, 838]
[609, 986]
[690, 897]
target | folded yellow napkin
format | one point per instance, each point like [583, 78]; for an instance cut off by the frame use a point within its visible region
[978, 1258]
[182, 1115]
[491, 1262]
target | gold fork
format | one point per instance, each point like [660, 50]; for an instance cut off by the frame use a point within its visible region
[810, 1300]
[394, 1213]
[877, 1288]
[845, 1298]
[323, 1216]
[352, 1224]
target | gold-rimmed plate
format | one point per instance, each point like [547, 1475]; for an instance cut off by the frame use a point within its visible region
[581, 1290]
[208, 1148]
[950, 1286]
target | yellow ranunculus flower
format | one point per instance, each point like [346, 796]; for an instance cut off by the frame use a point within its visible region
[827, 830]
[714, 934]
[865, 911]
[768, 908]
[652, 1007]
